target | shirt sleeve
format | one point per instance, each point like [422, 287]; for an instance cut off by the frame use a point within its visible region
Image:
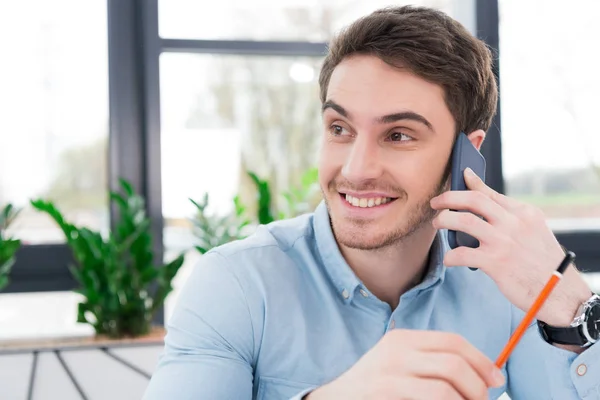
[209, 346]
[539, 370]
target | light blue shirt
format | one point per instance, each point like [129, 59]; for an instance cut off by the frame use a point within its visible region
[281, 312]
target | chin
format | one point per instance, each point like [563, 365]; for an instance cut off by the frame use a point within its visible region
[363, 238]
[381, 230]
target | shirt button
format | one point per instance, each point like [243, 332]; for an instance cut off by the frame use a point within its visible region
[581, 369]
[364, 293]
[392, 324]
[345, 294]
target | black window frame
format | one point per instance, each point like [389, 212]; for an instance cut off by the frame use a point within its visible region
[134, 49]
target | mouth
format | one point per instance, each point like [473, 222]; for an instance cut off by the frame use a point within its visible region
[366, 201]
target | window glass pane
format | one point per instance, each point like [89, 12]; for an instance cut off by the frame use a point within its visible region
[54, 112]
[53, 138]
[305, 20]
[550, 85]
[224, 115]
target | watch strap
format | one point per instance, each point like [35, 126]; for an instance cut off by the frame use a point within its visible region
[572, 335]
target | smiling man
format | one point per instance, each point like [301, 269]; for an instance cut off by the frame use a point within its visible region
[363, 298]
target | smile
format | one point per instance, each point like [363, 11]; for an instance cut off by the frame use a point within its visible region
[366, 202]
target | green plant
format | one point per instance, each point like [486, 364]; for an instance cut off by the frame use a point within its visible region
[8, 246]
[264, 210]
[212, 231]
[298, 199]
[122, 288]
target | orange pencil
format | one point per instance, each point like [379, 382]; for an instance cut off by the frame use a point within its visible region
[554, 279]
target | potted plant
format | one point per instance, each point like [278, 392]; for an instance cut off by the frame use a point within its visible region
[8, 245]
[121, 286]
[212, 230]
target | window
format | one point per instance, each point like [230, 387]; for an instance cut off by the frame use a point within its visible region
[53, 141]
[549, 84]
[292, 20]
[54, 113]
[225, 115]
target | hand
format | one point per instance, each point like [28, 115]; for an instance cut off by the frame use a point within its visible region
[409, 364]
[517, 249]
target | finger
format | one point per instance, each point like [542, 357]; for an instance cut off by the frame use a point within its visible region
[463, 256]
[434, 341]
[475, 183]
[424, 389]
[476, 202]
[465, 222]
[449, 367]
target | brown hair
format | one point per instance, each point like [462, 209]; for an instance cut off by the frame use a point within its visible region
[431, 45]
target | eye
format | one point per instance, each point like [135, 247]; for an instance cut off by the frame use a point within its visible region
[337, 130]
[399, 137]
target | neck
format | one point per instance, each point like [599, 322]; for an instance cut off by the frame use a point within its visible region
[391, 271]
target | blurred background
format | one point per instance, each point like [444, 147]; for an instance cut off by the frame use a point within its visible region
[185, 98]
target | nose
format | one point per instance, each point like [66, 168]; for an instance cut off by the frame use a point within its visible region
[363, 161]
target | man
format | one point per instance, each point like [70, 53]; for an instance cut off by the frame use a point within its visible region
[363, 299]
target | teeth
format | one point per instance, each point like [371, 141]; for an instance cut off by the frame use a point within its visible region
[365, 203]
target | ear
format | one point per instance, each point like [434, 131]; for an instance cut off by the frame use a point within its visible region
[477, 137]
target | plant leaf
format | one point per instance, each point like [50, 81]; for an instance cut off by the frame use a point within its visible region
[127, 187]
[82, 308]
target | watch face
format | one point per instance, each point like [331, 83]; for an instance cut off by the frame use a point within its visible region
[593, 322]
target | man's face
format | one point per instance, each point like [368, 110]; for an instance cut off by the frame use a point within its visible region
[387, 139]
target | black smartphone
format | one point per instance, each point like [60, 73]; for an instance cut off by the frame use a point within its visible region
[464, 155]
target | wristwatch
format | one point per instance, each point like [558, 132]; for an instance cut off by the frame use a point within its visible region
[584, 330]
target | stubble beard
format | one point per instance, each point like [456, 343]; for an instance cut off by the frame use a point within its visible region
[356, 237]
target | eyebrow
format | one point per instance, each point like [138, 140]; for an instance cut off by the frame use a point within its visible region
[386, 119]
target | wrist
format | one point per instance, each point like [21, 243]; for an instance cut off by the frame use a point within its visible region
[567, 315]
[570, 294]
[580, 333]
[572, 348]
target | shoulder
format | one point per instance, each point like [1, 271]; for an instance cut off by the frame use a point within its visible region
[272, 248]
[278, 257]
[241, 279]
[278, 235]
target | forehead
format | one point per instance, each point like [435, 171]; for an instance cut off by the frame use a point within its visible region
[367, 86]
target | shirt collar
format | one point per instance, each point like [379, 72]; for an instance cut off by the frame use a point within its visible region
[342, 276]
[340, 273]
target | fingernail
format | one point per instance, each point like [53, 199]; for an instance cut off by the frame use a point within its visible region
[470, 172]
[498, 378]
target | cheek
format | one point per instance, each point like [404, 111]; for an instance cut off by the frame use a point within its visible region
[331, 160]
[326, 164]
[420, 173]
